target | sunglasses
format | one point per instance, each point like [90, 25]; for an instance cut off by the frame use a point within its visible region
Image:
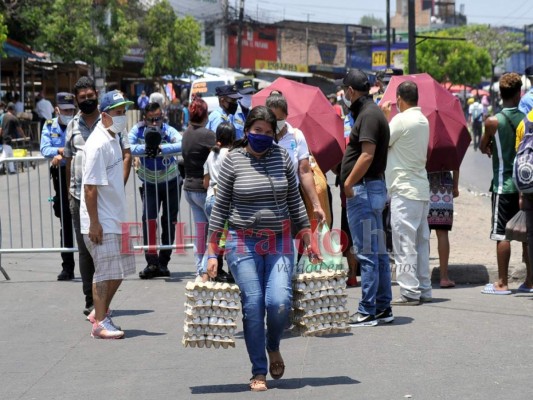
[154, 119]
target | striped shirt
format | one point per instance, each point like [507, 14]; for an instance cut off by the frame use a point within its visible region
[245, 197]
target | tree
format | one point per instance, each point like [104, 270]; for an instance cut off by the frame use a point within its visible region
[371, 20]
[498, 42]
[172, 44]
[454, 61]
[3, 33]
[25, 18]
[100, 34]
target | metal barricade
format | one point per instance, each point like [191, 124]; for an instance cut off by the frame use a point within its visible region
[30, 226]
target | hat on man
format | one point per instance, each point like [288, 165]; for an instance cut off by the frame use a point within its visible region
[65, 101]
[112, 100]
[227, 91]
[245, 86]
[357, 79]
[529, 71]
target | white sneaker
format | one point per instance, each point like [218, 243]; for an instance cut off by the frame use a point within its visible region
[106, 330]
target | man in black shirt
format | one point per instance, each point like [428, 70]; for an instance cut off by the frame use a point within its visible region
[362, 175]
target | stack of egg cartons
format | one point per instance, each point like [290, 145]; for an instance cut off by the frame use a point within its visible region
[210, 313]
[319, 302]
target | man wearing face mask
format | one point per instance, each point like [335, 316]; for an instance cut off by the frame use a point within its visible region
[161, 185]
[362, 175]
[78, 131]
[53, 139]
[246, 90]
[103, 212]
[227, 99]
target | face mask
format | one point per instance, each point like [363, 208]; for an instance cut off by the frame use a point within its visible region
[246, 100]
[260, 143]
[88, 106]
[232, 108]
[65, 119]
[346, 101]
[280, 124]
[119, 124]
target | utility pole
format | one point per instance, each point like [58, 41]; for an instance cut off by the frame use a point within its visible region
[412, 36]
[307, 41]
[388, 34]
[239, 34]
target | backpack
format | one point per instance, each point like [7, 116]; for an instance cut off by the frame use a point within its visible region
[523, 162]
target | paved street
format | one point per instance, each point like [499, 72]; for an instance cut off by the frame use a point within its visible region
[464, 345]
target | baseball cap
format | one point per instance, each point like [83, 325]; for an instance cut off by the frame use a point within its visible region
[112, 100]
[529, 71]
[65, 101]
[245, 86]
[357, 79]
[227, 91]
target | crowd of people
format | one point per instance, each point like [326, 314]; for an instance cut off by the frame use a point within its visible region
[243, 172]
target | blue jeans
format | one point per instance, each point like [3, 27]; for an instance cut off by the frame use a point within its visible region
[196, 201]
[209, 203]
[366, 227]
[155, 197]
[264, 278]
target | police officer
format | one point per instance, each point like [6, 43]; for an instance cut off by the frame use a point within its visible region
[161, 185]
[227, 100]
[52, 145]
[246, 89]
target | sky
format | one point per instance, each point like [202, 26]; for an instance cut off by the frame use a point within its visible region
[493, 12]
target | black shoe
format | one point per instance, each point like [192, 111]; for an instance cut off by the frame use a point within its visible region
[151, 271]
[65, 276]
[224, 277]
[359, 319]
[385, 316]
[163, 271]
[87, 310]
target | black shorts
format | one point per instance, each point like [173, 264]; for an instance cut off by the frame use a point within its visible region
[504, 207]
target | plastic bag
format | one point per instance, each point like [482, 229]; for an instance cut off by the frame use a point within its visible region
[516, 227]
[330, 250]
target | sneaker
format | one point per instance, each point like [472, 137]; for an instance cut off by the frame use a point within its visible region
[359, 319]
[405, 301]
[151, 271]
[88, 309]
[163, 271]
[385, 316]
[106, 330]
[108, 314]
[65, 276]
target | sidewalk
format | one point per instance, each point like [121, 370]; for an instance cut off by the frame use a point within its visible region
[464, 345]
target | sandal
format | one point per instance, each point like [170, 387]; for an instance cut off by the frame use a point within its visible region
[446, 284]
[277, 368]
[258, 383]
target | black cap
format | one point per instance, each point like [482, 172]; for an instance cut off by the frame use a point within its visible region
[227, 91]
[245, 86]
[65, 101]
[529, 71]
[385, 75]
[357, 79]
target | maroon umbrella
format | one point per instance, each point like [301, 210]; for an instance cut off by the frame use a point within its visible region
[312, 113]
[449, 137]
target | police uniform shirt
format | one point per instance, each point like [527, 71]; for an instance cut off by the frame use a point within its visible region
[217, 117]
[52, 138]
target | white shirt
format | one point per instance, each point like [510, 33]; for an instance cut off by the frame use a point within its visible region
[294, 142]
[103, 167]
[406, 161]
[44, 109]
[212, 166]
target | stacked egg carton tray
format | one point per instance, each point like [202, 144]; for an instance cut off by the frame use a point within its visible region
[210, 313]
[319, 302]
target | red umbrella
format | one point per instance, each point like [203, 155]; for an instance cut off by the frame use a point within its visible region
[312, 113]
[449, 137]
[456, 88]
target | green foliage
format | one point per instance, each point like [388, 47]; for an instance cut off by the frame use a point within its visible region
[172, 43]
[371, 20]
[77, 30]
[25, 18]
[456, 61]
[3, 33]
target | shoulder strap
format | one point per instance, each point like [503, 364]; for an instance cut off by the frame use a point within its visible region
[513, 126]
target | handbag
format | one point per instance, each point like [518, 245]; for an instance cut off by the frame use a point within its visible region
[516, 227]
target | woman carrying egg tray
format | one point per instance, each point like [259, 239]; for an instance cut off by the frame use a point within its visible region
[258, 196]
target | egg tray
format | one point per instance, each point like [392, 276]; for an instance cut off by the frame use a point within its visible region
[313, 330]
[312, 286]
[321, 294]
[209, 285]
[204, 312]
[226, 330]
[319, 276]
[208, 303]
[207, 343]
[341, 316]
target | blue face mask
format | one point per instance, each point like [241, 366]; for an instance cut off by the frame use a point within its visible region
[260, 143]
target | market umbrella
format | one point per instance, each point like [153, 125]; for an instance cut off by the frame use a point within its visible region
[312, 113]
[449, 138]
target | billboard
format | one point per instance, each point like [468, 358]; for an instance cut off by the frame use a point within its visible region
[257, 44]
